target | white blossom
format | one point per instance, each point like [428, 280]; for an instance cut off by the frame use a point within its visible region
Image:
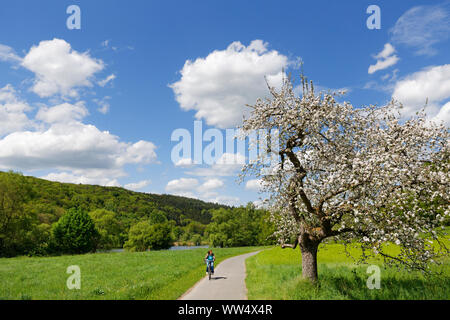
[353, 173]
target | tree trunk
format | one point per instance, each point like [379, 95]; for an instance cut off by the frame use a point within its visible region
[309, 259]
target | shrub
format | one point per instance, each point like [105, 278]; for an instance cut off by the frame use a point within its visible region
[75, 233]
[144, 236]
[108, 227]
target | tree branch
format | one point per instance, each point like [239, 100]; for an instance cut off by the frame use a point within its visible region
[339, 232]
[287, 245]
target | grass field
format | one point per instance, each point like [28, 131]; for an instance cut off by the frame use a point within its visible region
[147, 275]
[275, 274]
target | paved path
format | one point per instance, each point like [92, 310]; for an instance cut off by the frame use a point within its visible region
[227, 283]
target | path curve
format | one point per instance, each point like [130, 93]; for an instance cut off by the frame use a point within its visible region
[227, 283]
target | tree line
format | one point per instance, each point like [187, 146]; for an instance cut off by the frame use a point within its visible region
[40, 217]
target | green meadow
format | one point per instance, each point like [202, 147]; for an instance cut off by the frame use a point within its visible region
[165, 274]
[275, 274]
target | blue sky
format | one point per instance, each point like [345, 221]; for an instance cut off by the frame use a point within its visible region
[98, 105]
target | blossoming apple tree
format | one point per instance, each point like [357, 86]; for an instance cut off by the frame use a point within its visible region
[356, 174]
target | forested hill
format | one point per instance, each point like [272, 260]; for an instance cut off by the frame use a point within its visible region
[40, 217]
[49, 200]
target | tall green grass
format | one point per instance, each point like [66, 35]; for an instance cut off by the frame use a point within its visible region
[275, 274]
[147, 275]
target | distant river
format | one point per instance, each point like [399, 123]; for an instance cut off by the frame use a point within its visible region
[187, 247]
[171, 248]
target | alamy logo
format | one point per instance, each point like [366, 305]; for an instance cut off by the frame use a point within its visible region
[74, 20]
[374, 20]
[74, 281]
[259, 144]
[373, 282]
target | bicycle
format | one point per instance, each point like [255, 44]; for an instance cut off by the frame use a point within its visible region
[208, 263]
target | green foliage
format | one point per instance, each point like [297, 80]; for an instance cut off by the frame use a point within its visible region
[75, 233]
[17, 226]
[30, 206]
[145, 236]
[139, 237]
[196, 239]
[40, 239]
[109, 227]
[192, 233]
[243, 226]
[157, 216]
[161, 237]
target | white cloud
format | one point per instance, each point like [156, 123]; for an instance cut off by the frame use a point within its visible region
[206, 191]
[59, 69]
[385, 59]
[209, 185]
[231, 159]
[443, 115]
[260, 204]
[219, 86]
[103, 104]
[71, 177]
[227, 200]
[386, 52]
[65, 113]
[182, 185]
[387, 84]
[254, 185]
[66, 146]
[79, 152]
[8, 54]
[184, 162]
[56, 139]
[137, 153]
[137, 185]
[187, 194]
[422, 27]
[432, 83]
[319, 88]
[390, 76]
[383, 64]
[13, 111]
[105, 81]
[227, 165]
[208, 195]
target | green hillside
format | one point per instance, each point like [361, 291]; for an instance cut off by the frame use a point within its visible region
[102, 218]
[50, 199]
[29, 206]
